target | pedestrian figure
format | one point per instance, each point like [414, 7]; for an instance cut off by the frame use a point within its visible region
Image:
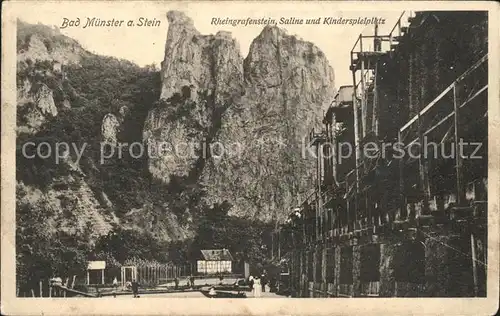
[263, 281]
[176, 280]
[250, 282]
[115, 286]
[212, 292]
[135, 288]
[191, 279]
[257, 290]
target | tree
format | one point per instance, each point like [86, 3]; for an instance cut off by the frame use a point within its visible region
[43, 252]
[123, 244]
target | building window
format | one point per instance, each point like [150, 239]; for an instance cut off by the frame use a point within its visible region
[370, 263]
[346, 265]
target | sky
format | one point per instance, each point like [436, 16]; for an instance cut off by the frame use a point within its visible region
[145, 45]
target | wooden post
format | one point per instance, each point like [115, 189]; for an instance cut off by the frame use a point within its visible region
[401, 183]
[318, 193]
[423, 167]
[363, 101]
[32, 293]
[357, 148]
[333, 134]
[88, 277]
[102, 276]
[474, 265]
[41, 288]
[74, 280]
[375, 105]
[50, 290]
[460, 188]
[279, 246]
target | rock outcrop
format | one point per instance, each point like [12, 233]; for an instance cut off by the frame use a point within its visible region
[110, 128]
[37, 107]
[73, 207]
[247, 129]
[41, 42]
[163, 225]
[201, 62]
[71, 192]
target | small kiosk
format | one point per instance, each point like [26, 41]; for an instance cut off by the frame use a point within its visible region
[93, 268]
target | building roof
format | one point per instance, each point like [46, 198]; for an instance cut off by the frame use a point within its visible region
[96, 265]
[344, 95]
[216, 255]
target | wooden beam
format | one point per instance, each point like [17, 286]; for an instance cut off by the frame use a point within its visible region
[357, 148]
[458, 157]
[445, 91]
[401, 183]
[363, 100]
[423, 169]
[375, 110]
[474, 265]
[447, 117]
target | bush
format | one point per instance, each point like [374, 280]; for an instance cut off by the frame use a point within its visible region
[123, 244]
[42, 252]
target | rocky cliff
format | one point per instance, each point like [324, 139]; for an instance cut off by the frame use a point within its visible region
[66, 94]
[232, 127]
[68, 201]
[243, 119]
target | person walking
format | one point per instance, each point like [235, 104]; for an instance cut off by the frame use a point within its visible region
[250, 282]
[257, 289]
[263, 281]
[115, 286]
[135, 288]
[191, 279]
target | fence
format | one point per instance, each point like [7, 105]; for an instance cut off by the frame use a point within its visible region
[153, 274]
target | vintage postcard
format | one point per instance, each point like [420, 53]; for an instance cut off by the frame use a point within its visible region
[253, 158]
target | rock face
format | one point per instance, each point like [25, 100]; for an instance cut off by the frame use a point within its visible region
[42, 53]
[37, 106]
[148, 218]
[40, 42]
[75, 210]
[70, 194]
[109, 128]
[202, 62]
[250, 121]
